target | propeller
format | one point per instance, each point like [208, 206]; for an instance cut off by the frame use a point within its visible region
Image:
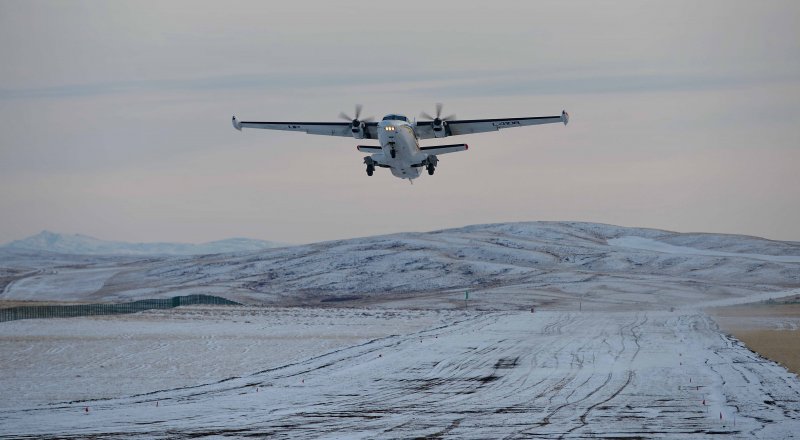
[438, 119]
[356, 121]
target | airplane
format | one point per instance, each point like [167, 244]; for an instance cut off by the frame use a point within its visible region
[399, 148]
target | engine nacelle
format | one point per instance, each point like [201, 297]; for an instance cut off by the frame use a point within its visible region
[440, 129]
[358, 129]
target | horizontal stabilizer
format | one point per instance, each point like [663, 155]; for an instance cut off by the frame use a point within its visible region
[442, 149]
[369, 148]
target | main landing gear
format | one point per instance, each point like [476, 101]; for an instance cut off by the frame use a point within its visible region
[370, 165]
[430, 164]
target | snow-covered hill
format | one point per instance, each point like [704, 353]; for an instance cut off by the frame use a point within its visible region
[84, 245]
[504, 265]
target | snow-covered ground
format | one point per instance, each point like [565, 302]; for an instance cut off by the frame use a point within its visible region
[659, 246]
[57, 360]
[618, 346]
[552, 261]
[78, 244]
[55, 284]
[471, 375]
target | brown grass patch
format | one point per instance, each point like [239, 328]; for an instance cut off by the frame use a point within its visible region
[755, 325]
[781, 346]
[758, 310]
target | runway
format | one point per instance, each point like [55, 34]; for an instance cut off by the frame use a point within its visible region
[637, 374]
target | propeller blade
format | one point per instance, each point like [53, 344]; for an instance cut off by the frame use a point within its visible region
[359, 107]
[344, 116]
[439, 107]
[369, 119]
[449, 117]
[426, 116]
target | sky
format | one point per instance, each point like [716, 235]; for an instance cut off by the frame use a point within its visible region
[115, 116]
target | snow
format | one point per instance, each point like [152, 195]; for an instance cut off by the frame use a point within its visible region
[46, 361]
[648, 244]
[385, 345]
[84, 245]
[561, 260]
[54, 285]
[550, 374]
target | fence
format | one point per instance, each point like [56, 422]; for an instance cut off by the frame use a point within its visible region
[71, 311]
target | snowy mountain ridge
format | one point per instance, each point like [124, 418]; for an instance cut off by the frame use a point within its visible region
[79, 244]
[511, 262]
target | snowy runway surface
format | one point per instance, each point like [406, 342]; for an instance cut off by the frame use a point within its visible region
[469, 375]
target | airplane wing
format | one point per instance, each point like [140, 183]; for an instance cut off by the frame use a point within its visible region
[425, 129]
[322, 128]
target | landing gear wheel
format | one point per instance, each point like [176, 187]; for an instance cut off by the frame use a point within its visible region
[370, 170]
[393, 152]
[431, 169]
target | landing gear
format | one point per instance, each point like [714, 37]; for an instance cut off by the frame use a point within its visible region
[393, 152]
[430, 164]
[370, 165]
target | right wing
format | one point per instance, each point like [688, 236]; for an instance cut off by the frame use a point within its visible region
[425, 129]
[322, 128]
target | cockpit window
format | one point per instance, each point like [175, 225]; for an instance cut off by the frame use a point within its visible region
[395, 118]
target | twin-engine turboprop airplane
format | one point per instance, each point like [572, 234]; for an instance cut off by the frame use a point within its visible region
[399, 148]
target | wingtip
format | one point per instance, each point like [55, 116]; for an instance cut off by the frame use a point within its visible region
[564, 116]
[236, 124]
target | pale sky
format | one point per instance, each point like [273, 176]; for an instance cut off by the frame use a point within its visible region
[115, 116]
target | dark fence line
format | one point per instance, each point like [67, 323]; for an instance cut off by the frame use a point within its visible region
[71, 311]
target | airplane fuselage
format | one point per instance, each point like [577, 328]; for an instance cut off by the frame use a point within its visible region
[399, 136]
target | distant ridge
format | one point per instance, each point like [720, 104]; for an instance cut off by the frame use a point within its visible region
[85, 245]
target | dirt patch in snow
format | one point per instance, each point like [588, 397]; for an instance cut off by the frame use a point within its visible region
[771, 330]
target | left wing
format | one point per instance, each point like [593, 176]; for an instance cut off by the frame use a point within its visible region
[427, 129]
[322, 128]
